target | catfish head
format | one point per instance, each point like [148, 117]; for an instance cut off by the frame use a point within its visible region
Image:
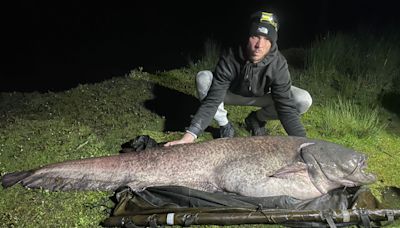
[331, 165]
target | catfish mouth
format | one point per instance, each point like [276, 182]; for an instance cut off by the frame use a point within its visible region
[358, 175]
[355, 177]
[344, 168]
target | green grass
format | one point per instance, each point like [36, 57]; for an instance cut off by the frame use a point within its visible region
[356, 67]
[95, 119]
[342, 117]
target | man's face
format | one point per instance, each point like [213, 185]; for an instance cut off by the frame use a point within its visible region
[257, 48]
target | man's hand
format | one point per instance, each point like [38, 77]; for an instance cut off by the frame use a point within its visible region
[186, 138]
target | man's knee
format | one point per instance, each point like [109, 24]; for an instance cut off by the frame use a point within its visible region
[303, 101]
[203, 83]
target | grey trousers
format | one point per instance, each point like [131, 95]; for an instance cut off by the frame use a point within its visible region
[204, 79]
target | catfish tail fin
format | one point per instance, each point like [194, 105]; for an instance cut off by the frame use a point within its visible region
[10, 179]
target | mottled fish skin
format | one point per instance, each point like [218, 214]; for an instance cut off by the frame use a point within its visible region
[251, 166]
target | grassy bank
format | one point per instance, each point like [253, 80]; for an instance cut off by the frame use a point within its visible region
[352, 80]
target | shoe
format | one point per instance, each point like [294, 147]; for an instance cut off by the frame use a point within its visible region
[227, 131]
[256, 127]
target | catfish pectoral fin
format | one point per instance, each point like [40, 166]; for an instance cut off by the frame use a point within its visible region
[10, 179]
[298, 167]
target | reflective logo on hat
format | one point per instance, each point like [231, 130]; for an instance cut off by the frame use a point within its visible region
[262, 30]
[269, 18]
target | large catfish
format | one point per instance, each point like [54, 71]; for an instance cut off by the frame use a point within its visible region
[250, 166]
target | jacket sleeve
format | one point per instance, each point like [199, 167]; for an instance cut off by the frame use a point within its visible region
[222, 78]
[284, 103]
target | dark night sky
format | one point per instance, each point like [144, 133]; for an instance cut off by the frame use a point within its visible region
[55, 46]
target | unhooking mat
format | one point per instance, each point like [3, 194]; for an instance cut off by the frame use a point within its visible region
[177, 205]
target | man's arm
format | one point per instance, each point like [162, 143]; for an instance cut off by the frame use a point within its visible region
[186, 138]
[284, 103]
[222, 78]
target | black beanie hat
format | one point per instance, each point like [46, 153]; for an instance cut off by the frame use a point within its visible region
[265, 24]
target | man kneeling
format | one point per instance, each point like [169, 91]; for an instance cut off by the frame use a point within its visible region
[256, 74]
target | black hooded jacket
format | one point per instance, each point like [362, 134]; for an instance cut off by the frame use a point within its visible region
[234, 73]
